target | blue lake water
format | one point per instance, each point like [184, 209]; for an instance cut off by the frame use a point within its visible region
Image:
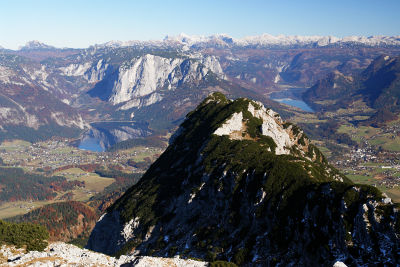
[92, 144]
[296, 103]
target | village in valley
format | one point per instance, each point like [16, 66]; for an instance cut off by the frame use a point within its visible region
[58, 157]
[370, 163]
[56, 153]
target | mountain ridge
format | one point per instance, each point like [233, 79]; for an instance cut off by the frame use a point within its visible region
[226, 190]
[155, 84]
[264, 39]
[36, 45]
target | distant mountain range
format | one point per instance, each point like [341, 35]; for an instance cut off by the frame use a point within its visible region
[36, 45]
[267, 40]
[48, 91]
[264, 40]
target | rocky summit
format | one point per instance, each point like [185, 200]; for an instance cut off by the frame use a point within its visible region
[239, 184]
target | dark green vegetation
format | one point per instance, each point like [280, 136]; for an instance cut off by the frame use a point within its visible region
[358, 110]
[215, 198]
[19, 185]
[382, 83]
[198, 127]
[31, 236]
[222, 264]
[65, 221]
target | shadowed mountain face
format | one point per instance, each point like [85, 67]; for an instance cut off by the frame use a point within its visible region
[238, 183]
[378, 86]
[382, 83]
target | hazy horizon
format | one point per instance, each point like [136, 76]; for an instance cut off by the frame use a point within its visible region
[79, 24]
[194, 35]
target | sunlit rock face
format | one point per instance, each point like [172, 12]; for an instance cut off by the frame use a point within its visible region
[147, 74]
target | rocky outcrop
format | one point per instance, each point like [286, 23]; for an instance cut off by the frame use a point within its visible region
[91, 71]
[285, 136]
[111, 234]
[149, 73]
[61, 254]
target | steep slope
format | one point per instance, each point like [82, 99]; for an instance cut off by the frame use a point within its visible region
[137, 83]
[237, 183]
[334, 91]
[378, 86]
[382, 83]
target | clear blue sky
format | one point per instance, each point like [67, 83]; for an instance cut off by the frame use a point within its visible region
[73, 23]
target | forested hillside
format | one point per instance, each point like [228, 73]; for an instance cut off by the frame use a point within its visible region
[15, 184]
[65, 221]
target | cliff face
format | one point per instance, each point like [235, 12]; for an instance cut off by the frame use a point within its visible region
[138, 83]
[239, 184]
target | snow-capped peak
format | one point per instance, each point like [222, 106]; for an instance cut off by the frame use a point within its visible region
[32, 45]
[224, 40]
